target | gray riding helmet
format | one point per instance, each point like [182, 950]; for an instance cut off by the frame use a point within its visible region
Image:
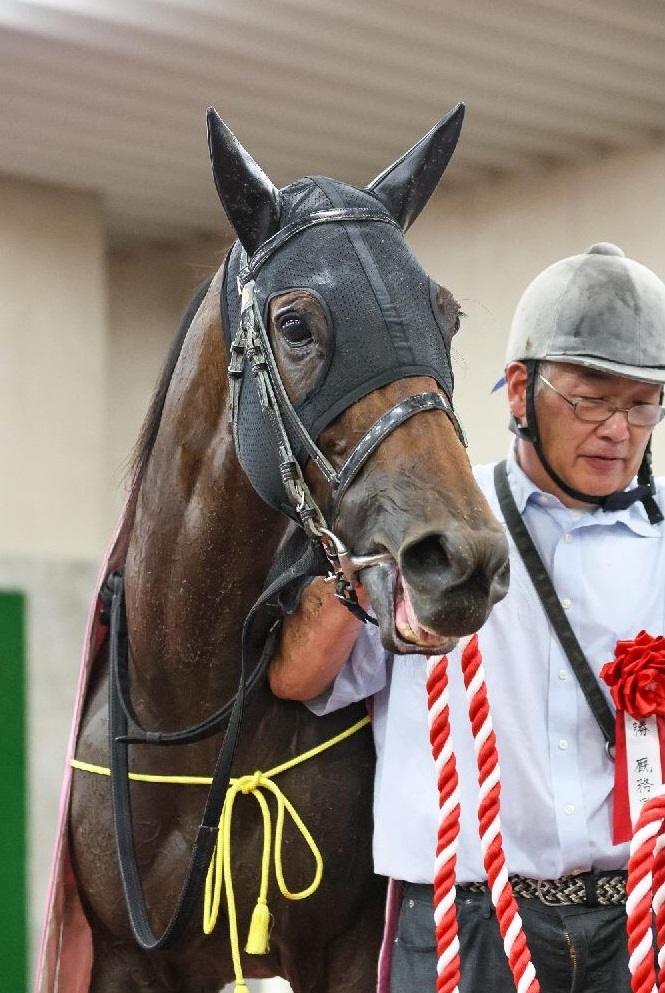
[598, 309]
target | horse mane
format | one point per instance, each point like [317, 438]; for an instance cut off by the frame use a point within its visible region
[146, 439]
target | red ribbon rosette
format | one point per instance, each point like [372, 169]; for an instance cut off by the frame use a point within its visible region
[636, 679]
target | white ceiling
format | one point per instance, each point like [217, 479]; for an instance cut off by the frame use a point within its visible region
[110, 95]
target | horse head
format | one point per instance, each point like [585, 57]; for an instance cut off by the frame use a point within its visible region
[343, 338]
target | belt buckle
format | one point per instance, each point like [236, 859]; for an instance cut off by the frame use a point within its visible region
[542, 897]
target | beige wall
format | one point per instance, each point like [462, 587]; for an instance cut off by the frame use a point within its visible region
[149, 288]
[53, 340]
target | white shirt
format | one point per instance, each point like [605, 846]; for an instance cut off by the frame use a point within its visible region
[556, 779]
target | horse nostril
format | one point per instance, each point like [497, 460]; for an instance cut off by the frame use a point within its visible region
[455, 577]
[438, 559]
[425, 561]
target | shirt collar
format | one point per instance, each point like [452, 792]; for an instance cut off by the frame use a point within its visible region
[525, 492]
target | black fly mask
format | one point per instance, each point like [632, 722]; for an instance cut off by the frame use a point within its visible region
[345, 246]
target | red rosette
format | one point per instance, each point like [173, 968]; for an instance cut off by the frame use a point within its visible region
[636, 677]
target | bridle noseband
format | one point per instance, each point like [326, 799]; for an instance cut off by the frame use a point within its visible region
[251, 343]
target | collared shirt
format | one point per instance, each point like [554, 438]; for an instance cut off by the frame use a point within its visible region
[556, 778]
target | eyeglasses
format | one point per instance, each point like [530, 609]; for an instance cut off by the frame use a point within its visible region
[640, 415]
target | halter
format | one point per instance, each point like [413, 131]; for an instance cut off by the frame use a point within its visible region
[252, 344]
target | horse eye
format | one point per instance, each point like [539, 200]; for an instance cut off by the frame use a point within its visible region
[294, 329]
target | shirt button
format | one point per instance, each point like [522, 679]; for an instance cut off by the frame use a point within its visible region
[565, 603]
[563, 744]
[563, 674]
[568, 538]
[569, 809]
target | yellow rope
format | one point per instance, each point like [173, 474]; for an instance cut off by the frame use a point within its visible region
[219, 872]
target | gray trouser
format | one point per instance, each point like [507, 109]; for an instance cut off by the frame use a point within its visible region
[575, 949]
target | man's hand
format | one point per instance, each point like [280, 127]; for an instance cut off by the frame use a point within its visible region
[315, 642]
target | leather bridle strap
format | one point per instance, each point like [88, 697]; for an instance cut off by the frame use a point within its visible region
[402, 411]
[309, 563]
[206, 836]
[334, 215]
[550, 601]
[122, 818]
[274, 397]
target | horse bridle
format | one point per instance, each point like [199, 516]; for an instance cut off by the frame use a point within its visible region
[252, 343]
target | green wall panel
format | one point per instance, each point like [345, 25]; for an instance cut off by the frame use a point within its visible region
[13, 833]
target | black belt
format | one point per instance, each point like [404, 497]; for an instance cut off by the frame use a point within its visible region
[593, 889]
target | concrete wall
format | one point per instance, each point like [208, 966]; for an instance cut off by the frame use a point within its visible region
[149, 288]
[84, 332]
[53, 373]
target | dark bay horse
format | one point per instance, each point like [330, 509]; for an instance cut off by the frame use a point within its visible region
[310, 383]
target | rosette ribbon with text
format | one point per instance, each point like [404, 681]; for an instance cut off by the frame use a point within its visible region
[636, 678]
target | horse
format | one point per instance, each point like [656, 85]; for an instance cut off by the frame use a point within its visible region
[306, 403]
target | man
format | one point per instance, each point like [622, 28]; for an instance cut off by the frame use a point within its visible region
[585, 371]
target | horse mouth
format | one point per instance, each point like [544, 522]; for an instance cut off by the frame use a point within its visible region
[408, 629]
[400, 629]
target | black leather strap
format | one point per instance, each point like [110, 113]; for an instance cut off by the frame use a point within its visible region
[392, 419]
[295, 563]
[552, 604]
[336, 215]
[204, 844]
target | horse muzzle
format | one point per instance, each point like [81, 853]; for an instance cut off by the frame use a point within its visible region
[438, 589]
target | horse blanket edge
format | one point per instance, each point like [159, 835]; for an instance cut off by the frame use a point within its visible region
[64, 959]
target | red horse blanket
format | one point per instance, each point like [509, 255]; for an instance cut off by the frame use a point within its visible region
[64, 959]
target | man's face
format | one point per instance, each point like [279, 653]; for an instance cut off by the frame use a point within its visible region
[594, 458]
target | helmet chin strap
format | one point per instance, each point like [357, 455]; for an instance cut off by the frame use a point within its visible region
[644, 491]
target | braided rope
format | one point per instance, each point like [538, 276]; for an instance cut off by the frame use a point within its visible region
[510, 923]
[658, 904]
[645, 890]
[494, 860]
[445, 913]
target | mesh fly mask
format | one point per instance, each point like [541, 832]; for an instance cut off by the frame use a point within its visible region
[342, 245]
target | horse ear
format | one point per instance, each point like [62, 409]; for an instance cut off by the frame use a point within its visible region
[406, 186]
[250, 200]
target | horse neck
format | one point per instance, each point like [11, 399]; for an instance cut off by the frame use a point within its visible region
[201, 545]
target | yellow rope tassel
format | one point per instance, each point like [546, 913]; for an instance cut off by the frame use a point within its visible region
[219, 872]
[259, 930]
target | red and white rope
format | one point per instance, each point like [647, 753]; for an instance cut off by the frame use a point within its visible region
[510, 923]
[658, 904]
[646, 892]
[445, 914]
[646, 868]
